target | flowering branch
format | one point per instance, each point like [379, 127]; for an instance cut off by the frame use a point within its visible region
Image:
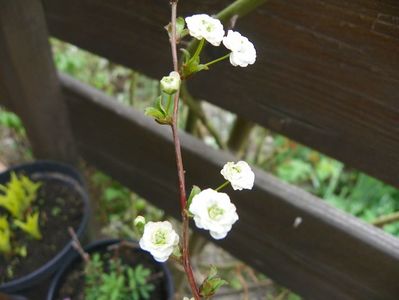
[210, 209]
[180, 168]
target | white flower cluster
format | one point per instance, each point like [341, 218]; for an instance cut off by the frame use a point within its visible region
[211, 210]
[214, 211]
[202, 26]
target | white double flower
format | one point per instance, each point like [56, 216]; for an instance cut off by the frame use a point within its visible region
[159, 239]
[243, 52]
[202, 26]
[239, 174]
[205, 27]
[213, 211]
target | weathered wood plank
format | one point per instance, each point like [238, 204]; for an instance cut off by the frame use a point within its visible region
[29, 82]
[330, 255]
[327, 73]
[4, 98]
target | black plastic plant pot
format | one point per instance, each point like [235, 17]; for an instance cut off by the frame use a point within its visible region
[66, 274]
[56, 179]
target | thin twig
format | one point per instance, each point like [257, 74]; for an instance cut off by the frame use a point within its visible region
[387, 219]
[244, 284]
[180, 168]
[78, 246]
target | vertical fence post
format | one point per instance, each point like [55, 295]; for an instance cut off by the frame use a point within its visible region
[30, 82]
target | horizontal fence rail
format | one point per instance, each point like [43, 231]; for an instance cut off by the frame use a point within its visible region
[327, 73]
[328, 255]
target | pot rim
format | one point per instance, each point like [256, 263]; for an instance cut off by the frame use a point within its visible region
[43, 166]
[55, 283]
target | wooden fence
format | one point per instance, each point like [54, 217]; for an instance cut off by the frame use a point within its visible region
[327, 76]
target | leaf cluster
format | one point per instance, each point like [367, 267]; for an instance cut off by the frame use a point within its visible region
[115, 280]
[18, 195]
[17, 198]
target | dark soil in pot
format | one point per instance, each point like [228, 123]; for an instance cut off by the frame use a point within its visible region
[62, 202]
[59, 207]
[70, 283]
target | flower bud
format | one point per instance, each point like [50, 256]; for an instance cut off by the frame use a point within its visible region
[139, 221]
[170, 84]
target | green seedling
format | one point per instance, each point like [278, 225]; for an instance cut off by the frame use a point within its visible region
[16, 199]
[5, 236]
[30, 226]
[18, 195]
[120, 282]
[138, 282]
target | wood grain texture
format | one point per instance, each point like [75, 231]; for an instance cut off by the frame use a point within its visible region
[327, 73]
[29, 82]
[330, 255]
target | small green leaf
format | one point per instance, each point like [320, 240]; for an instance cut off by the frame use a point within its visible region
[180, 23]
[180, 30]
[154, 112]
[211, 283]
[194, 191]
[158, 113]
[160, 107]
[192, 65]
[202, 67]
[177, 253]
[30, 226]
[186, 55]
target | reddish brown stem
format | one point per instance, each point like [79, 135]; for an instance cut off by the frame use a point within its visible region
[180, 169]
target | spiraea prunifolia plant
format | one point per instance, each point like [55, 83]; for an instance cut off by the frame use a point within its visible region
[210, 208]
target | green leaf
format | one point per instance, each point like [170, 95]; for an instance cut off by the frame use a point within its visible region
[154, 112]
[192, 66]
[202, 67]
[211, 283]
[186, 55]
[160, 107]
[180, 24]
[180, 30]
[30, 226]
[158, 113]
[5, 236]
[194, 191]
